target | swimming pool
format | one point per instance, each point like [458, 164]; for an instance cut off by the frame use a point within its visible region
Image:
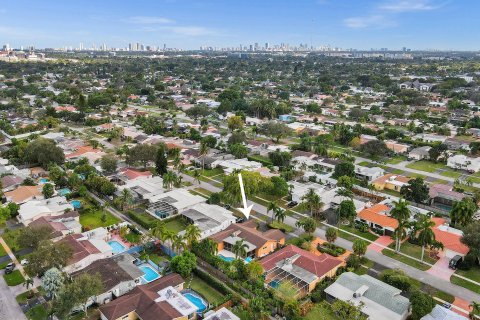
[149, 274]
[63, 192]
[117, 247]
[197, 301]
[43, 181]
[228, 259]
[274, 284]
[76, 204]
[248, 259]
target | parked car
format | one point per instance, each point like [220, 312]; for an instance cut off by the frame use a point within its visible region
[9, 268]
[447, 305]
[24, 262]
[292, 204]
[454, 262]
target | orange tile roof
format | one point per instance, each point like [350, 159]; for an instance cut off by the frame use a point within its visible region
[385, 178]
[23, 193]
[81, 150]
[449, 240]
[374, 215]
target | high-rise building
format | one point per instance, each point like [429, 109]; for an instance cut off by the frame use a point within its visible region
[266, 46]
[80, 47]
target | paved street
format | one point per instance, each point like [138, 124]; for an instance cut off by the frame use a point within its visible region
[9, 308]
[373, 255]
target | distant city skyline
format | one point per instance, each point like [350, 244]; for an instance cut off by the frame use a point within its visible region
[195, 24]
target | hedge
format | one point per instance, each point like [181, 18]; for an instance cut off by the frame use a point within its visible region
[331, 249]
[143, 219]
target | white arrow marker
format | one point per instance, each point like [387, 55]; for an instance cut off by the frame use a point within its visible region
[246, 209]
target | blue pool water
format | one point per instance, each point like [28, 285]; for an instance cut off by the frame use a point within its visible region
[76, 204]
[149, 274]
[197, 301]
[274, 284]
[248, 259]
[43, 180]
[228, 259]
[63, 192]
[117, 247]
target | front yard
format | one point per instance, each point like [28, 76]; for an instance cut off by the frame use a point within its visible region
[14, 279]
[366, 235]
[427, 166]
[413, 251]
[473, 274]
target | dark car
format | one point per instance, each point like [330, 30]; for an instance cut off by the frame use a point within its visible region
[292, 204]
[454, 262]
[9, 268]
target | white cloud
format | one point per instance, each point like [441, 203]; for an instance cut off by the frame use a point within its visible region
[373, 21]
[148, 20]
[408, 6]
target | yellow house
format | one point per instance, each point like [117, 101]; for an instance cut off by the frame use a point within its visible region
[390, 182]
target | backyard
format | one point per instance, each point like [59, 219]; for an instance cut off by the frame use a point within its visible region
[212, 295]
[176, 224]
[93, 219]
[321, 311]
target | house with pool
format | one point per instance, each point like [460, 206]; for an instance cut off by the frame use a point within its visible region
[119, 275]
[87, 247]
[162, 299]
[299, 268]
[171, 203]
[34, 209]
[259, 244]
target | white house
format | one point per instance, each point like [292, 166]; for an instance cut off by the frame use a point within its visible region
[210, 219]
[35, 209]
[368, 174]
[229, 166]
[173, 202]
[144, 187]
[463, 162]
[420, 153]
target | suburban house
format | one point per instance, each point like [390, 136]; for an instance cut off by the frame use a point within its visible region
[143, 187]
[368, 174]
[450, 238]
[299, 190]
[462, 162]
[35, 209]
[23, 194]
[420, 153]
[302, 269]
[87, 247]
[380, 300]
[442, 313]
[396, 147]
[259, 243]
[231, 165]
[221, 314]
[443, 195]
[428, 137]
[59, 226]
[11, 182]
[173, 202]
[118, 275]
[158, 300]
[377, 217]
[126, 174]
[390, 181]
[210, 219]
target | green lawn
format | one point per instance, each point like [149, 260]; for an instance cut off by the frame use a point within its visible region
[365, 164]
[212, 172]
[427, 166]
[280, 225]
[473, 274]
[93, 219]
[366, 235]
[396, 160]
[10, 237]
[321, 311]
[451, 174]
[14, 279]
[176, 224]
[414, 175]
[261, 159]
[2, 251]
[23, 297]
[133, 237]
[37, 313]
[212, 295]
[411, 250]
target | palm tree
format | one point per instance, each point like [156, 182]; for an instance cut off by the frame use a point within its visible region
[28, 282]
[280, 214]
[159, 230]
[204, 149]
[272, 206]
[178, 181]
[125, 198]
[177, 161]
[192, 234]
[344, 192]
[197, 175]
[240, 248]
[210, 246]
[169, 179]
[178, 243]
[426, 236]
[475, 309]
[313, 202]
[401, 213]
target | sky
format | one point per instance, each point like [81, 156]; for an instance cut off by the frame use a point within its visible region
[189, 24]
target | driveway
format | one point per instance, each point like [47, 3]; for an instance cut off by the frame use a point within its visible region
[380, 244]
[9, 308]
[440, 269]
[464, 305]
